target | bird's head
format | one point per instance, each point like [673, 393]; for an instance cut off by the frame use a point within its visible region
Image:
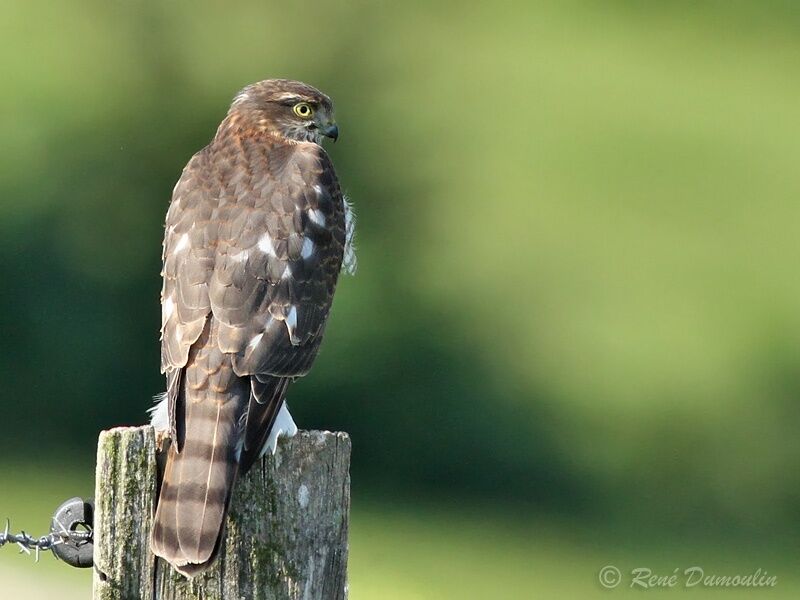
[291, 109]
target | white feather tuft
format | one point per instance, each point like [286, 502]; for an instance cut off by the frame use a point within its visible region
[159, 414]
[316, 217]
[308, 248]
[350, 262]
[284, 427]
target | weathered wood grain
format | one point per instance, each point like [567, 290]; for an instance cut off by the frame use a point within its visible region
[125, 486]
[287, 529]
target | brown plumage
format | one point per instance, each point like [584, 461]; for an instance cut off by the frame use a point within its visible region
[254, 242]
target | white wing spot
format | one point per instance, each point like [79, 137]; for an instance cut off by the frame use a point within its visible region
[256, 339]
[308, 248]
[265, 245]
[318, 190]
[291, 325]
[316, 217]
[182, 244]
[287, 272]
[169, 308]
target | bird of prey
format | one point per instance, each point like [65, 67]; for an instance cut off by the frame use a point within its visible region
[256, 235]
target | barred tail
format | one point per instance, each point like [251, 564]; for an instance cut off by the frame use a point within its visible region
[198, 479]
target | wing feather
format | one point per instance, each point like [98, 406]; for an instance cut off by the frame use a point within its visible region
[265, 252]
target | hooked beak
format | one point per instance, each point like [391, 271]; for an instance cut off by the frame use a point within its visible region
[331, 131]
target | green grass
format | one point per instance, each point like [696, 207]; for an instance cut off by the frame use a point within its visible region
[480, 553]
[426, 550]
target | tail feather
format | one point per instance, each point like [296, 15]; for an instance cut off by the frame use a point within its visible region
[164, 541]
[197, 483]
[265, 404]
[206, 472]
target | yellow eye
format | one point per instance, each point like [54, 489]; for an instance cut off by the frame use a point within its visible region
[303, 110]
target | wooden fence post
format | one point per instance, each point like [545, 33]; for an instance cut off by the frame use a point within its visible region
[287, 530]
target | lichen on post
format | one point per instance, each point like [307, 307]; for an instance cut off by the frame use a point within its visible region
[125, 485]
[286, 535]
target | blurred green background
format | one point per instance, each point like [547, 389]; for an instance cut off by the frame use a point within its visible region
[573, 337]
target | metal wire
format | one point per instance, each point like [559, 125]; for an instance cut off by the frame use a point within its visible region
[43, 543]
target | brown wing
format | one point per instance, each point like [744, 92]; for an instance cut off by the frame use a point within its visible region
[273, 288]
[254, 241]
[260, 252]
[187, 263]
